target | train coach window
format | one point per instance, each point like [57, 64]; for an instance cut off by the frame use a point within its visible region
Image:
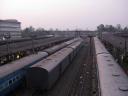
[14, 79]
[6, 84]
[108, 60]
[17, 77]
[1, 88]
[10, 82]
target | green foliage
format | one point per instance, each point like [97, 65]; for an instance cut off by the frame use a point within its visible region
[111, 28]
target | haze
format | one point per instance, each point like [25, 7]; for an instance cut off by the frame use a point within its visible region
[63, 14]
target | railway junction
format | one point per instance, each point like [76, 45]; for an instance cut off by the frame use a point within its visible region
[68, 67]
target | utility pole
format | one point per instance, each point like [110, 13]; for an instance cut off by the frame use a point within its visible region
[90, 37]
[125, 45]
[32, 36]
[7, 37]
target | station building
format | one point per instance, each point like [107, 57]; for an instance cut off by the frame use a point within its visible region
[10, 28]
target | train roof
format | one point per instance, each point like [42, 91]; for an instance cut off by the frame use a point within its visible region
[50, 62]
[99, 46]
[18, 64]
[113, 80]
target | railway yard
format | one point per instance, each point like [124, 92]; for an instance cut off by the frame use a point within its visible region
[70, 80]
[75, 80]
[63, 48]
[67, 67]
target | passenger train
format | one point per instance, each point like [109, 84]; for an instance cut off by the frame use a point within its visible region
[44, 74]
[11, 75]
[113, 81]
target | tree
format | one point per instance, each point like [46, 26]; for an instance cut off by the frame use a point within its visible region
[109, 28]
[29, 29]
[125, 29]
[40, 30]
[118, 28]
[100, 28]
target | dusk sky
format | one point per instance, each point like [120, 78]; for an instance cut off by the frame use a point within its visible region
[63, 14]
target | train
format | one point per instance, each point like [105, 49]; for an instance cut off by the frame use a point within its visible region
[13, 49]
[12, 74]
[112, 81]
[44, 74]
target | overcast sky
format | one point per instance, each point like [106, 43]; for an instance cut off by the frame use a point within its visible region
[63, 14]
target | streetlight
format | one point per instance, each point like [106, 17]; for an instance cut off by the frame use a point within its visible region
[7, 37]
[125, 44]
[90, 36]
[124, 56]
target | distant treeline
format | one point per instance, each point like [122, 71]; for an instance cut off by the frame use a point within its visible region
[111, 28]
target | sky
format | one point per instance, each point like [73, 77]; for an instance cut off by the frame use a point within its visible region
[65, 14]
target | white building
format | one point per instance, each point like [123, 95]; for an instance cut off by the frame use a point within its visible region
[10, 27]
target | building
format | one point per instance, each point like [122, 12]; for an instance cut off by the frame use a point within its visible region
[10, 28]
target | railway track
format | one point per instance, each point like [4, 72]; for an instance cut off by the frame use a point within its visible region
[82, 85]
